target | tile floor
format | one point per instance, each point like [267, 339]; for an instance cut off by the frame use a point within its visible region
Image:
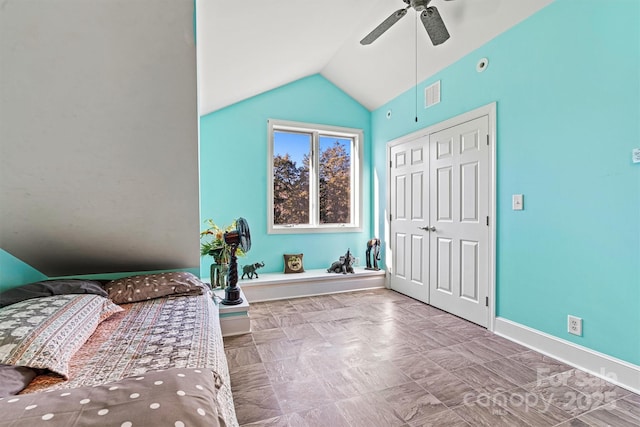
[378, 358]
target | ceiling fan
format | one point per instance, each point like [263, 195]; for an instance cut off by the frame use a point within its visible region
[429, 16]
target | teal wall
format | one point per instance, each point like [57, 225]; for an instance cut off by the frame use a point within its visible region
[567, 86]
[233, 169]
[14, 272]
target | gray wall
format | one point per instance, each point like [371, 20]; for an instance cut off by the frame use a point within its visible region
[99, 135]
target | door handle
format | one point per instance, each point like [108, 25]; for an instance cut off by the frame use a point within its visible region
[427, 228]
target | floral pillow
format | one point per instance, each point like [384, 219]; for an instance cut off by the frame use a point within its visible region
[149, 286]
[44, 333]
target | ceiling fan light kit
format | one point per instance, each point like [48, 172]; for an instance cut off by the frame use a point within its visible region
[429, 16]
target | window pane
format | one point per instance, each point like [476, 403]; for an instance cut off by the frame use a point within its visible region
[291, 177]
[335, 180]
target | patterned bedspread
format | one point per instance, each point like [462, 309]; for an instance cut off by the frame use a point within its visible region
[162, 333]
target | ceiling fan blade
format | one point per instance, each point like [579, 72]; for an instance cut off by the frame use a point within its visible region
[434, 25]
[384, 26]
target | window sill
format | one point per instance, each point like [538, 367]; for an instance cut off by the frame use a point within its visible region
[299, 229]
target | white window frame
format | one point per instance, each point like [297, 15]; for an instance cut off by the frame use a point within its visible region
[317, 130]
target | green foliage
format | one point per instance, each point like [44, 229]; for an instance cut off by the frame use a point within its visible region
[291, 191]
[335, 188]
[212, 242]
[291, 188]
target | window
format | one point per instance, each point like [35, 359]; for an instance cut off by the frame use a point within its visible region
[314, 178]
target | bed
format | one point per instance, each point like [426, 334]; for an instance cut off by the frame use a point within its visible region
[140, 350]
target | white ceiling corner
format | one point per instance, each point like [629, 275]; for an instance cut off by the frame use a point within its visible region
[244, 51]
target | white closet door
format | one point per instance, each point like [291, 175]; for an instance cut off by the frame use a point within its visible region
[459, 209]
[409, 191]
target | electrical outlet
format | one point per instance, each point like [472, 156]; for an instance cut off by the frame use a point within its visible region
[356, 262]
[574, 325]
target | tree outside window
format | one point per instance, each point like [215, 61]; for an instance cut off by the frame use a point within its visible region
[335, 180]
[315, 178]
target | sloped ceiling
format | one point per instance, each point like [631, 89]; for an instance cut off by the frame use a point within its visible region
[99, 135]
[251, 47]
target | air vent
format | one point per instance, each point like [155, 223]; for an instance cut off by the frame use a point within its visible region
[432, 95]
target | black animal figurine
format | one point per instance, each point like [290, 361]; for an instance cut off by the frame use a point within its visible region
[344, 265]
[373, 245]
[250, 270]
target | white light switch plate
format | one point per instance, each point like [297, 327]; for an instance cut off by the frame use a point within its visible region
[517, 202]
[635, 155]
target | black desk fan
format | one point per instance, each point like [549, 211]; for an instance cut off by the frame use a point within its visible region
[238, 238]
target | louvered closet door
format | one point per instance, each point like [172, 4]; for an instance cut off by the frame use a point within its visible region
[459, 208]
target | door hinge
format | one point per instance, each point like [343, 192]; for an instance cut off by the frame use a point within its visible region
[487, 221]
[390, 217]
[390, 163]
[487, 139]
[486, 301]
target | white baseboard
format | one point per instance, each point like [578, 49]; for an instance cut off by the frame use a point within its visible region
[619, 372]
[274, 286]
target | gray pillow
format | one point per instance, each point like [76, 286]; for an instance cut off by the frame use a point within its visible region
[48, 288]
[13, 379]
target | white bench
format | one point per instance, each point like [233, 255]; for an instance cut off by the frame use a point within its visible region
[274, 286]
[235, 319]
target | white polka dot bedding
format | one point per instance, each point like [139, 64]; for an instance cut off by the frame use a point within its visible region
[174, 397]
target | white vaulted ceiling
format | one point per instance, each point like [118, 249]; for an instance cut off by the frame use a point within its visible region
[246, 48]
